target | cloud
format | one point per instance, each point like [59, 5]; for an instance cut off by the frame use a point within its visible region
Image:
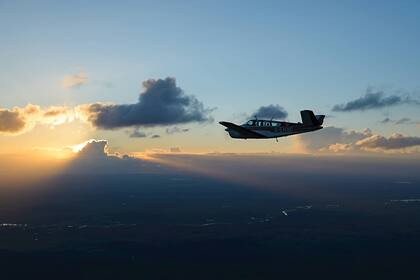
[175, 129]
[338, 140]
[136, 133]
[140, 134]
[75, 80]
[274, 111]
[22, 119]
[95, 149]
[374, 100]
[161, 103]
[403, 121]
[94, 157]
[328, 136]
[399, 121]
[395, 142]
[55, 111]
[386, 120]
[12, 121]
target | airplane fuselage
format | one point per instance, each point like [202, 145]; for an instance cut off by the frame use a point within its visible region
[280, 130]
[262, 129]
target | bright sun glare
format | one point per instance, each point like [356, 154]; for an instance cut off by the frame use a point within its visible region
[77, 148]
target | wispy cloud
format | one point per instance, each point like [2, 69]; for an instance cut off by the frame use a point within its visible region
[136, 133]
[19, 120]
[175, 129]
[375, 100]
[74, 80]
[398, 121]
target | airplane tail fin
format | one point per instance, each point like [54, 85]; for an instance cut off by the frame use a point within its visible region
[308, 118]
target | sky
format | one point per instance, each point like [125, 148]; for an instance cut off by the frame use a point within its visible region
[158, 76]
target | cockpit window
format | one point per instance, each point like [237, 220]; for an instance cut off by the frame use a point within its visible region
[250, 123]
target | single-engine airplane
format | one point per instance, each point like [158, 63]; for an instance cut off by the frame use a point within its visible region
[263, 129]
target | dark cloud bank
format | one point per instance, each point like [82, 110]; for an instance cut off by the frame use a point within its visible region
[374, 100]
[95, 158]
[162, 103]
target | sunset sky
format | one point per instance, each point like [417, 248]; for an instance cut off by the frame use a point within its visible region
[113, 163]
[158, 76]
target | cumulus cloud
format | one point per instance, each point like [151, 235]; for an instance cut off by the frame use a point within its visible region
[94, 157]
[395, 142]
[338, 140]
[95, 149]
[328, 136]
[75, 80]
[274, 111]
[12, 121]
[374, 100]
[161, 103]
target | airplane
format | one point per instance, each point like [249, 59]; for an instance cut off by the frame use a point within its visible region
[264, 129]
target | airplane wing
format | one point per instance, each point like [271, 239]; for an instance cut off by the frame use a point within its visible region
[245, 132]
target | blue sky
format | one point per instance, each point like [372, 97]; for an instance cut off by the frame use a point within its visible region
[233, 55]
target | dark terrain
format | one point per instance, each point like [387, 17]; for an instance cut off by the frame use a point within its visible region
[183, 226]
